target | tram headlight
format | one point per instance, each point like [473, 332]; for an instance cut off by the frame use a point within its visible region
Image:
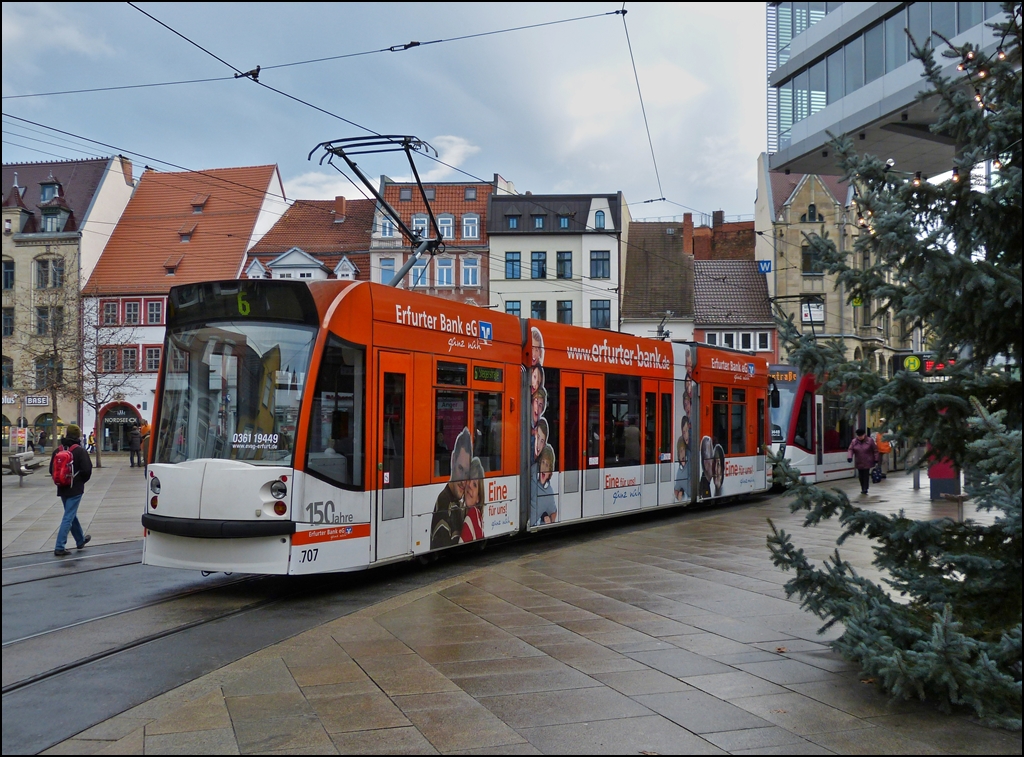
[278, 490]
[154, 485]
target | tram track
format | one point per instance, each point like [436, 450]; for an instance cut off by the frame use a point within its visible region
[59, 568]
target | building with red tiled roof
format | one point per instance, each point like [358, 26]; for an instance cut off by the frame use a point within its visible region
[316, 239]
[788, 208]
[178, 228]
[657, 297]
[460, 271]
[58, 216]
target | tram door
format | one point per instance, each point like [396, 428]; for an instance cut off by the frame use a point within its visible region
[649, 450]
[393, 505]
[666, 444]
[593, 417]
[570, 498]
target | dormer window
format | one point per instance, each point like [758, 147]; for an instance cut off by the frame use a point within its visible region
[52, 222]
[186, 231]
[447, 225]
[513, 222]
[405, 194]
[387, 227]
[49, 191]
[429, 192]
[563, 222]
[599, 219]
[470, 194]
[199, 202]
[419, 225]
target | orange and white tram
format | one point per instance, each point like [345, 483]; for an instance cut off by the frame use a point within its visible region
[316, 426]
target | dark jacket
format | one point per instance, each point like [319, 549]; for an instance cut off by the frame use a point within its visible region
[82, 466]
[135, 439]
[864, 453]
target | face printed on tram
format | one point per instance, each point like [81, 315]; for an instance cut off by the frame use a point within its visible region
[472, 496]
[536, 378]
[539, 404]
[546, 465]
[707, 457]
[687, 396]
[537, 347]
[540, 437]
[719, 468]
[462, 456]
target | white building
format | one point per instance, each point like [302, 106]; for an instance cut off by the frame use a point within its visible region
[559, 257]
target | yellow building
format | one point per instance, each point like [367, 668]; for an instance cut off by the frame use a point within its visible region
[57, 217]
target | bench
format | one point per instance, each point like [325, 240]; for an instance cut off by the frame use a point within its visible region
[23, 464]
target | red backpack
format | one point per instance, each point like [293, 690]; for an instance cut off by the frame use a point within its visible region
[63, 466]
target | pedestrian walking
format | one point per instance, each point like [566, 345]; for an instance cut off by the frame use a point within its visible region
[884, 448]
[92, 442]
[42, 442]
[863, 453]
[70, 468]
[135, 446]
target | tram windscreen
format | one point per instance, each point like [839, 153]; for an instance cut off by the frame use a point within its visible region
[231, 391]
[786, 381]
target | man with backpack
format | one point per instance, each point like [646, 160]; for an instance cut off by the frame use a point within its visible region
[70, 468]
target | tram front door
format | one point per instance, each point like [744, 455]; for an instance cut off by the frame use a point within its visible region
[392, 508]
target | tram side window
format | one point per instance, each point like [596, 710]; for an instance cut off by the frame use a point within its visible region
[802, 437]
[650, 426]
[551, 414]
[665, 447]
[621, 421]
[720, 416]
[838, 431]
[451, 417]
[738, 442]
[337, 420]
[487, 429]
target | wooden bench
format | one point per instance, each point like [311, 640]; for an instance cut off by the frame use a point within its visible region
[23, 464]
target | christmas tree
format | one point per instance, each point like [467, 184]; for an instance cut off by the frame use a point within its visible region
[946, 256]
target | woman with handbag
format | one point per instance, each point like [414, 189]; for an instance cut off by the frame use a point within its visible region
[863, 453]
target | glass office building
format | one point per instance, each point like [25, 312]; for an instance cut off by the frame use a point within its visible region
[848, 68]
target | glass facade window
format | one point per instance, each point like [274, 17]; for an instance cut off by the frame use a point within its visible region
[565, 311]
[512, 265]
[600, 314]
[854, 64]
[919, 22]
[816, 86]
[874, 53]
[834, 74]
[895, 41]
[801, 96]
[943, 22]
[564, 265]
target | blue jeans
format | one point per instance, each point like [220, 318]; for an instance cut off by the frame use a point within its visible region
[70, 523]
[135, 457]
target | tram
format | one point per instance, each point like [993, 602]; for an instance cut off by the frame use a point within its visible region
[810, 427]
[314, 426]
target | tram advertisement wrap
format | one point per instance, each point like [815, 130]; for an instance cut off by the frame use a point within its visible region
[685, 406]
[543, 497]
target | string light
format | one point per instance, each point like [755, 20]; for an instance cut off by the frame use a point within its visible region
[956, 174]
[917, 179]
[1000, 54]
[997, 164]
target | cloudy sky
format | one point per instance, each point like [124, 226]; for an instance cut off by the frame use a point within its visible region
[552, 109]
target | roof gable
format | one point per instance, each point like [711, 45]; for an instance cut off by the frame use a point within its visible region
[294, 258]
[311, 225]
[659, 275]
[79, 180]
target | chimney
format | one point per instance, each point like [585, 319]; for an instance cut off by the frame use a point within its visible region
[688, 233]
[126, 170]
[339, 209]
[717, 218]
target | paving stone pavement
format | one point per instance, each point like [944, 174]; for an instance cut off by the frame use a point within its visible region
[111, 509]
[672, 639]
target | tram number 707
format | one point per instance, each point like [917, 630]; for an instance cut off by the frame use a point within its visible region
[320, 512]
[308, 555]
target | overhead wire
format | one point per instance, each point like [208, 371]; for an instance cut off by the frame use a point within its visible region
[643, 109]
